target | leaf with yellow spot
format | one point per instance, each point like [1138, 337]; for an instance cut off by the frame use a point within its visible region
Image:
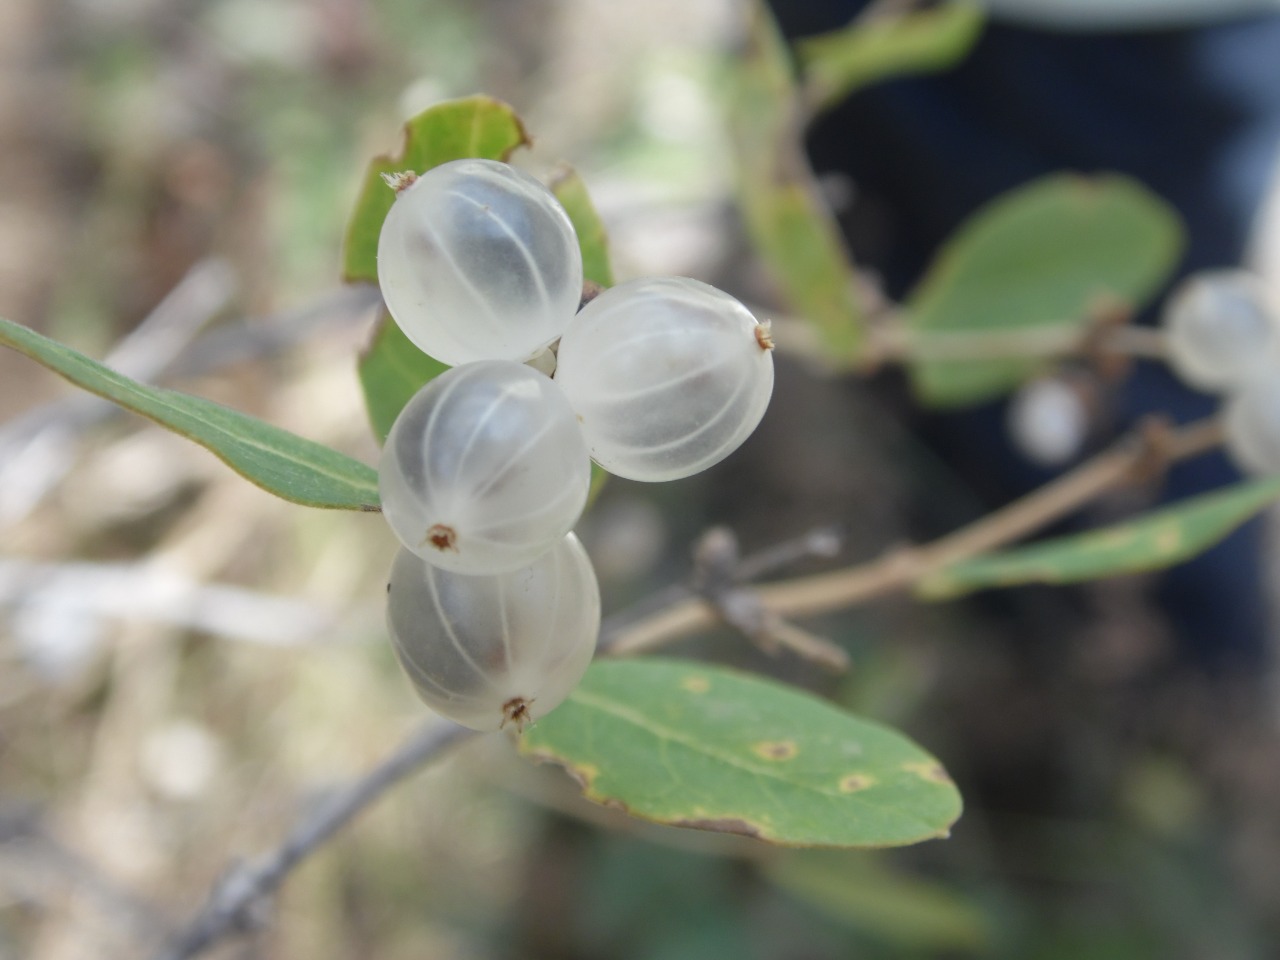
[1161, 539]
[698, 746]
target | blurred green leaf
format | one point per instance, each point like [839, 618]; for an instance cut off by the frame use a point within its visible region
[704, 747]
[276, 460]
[1160, 539]
[592, 239]
[876, 48]
[862, 891]
[1051, 255]
[790, 226]
[470, 127]
[391, 371]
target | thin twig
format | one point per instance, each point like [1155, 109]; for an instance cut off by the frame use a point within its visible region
[24, 833]
[895, 342]
[236, 902]
[38, 448]
[821, 543]
[155, 592]
[252, 338]
[899, 568]
[717, 572]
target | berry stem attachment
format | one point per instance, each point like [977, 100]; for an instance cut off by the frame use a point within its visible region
[400, 182]
[441, 537]
[718, 580]
[236, 903]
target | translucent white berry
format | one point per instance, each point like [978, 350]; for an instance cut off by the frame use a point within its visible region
[1048, 421]
[1222, 329]
[1252, 426]
[485, 468]
[495, 649]
[667, 375]
[478, 261]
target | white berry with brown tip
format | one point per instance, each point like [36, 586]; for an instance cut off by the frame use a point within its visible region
[668, 376]
[478, 261]
[496, 650]
[485, 468]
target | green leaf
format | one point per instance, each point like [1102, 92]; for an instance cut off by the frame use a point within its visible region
[592, 239]
[1047, 257]
[1160, 539]
[698, 746]
[790, 226]
[862, 890]
[471, 127]
[276, 460]
[873, 49]
[391, 371]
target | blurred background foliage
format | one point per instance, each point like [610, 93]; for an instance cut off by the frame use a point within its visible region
[188, 663]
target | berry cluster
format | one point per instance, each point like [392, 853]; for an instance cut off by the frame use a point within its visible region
[493, 605]
[1223, 336]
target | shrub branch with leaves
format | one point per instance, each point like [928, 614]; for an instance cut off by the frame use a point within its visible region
[1054, 268]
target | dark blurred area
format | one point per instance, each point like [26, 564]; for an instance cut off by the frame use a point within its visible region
[1193, 113]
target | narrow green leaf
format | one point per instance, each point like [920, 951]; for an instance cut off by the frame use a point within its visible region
[873, 49]
[276, 460]
[1048, 256]
[864, 891]
[470, 127]
[789, 224]
[391, 371]
[592, 239]
[704, 747]
[1160, 539]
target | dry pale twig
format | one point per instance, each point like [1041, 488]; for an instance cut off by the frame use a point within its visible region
[237, 900]
[894, 342]
[157, 593]
[38, 448]
[717, 579]
[900, 568]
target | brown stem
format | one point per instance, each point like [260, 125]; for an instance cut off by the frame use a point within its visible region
[894, 342]
[1131, 460]
[236, 903]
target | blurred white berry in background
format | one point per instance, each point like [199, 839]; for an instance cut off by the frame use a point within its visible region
[1222, 330]
[1048, 421]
